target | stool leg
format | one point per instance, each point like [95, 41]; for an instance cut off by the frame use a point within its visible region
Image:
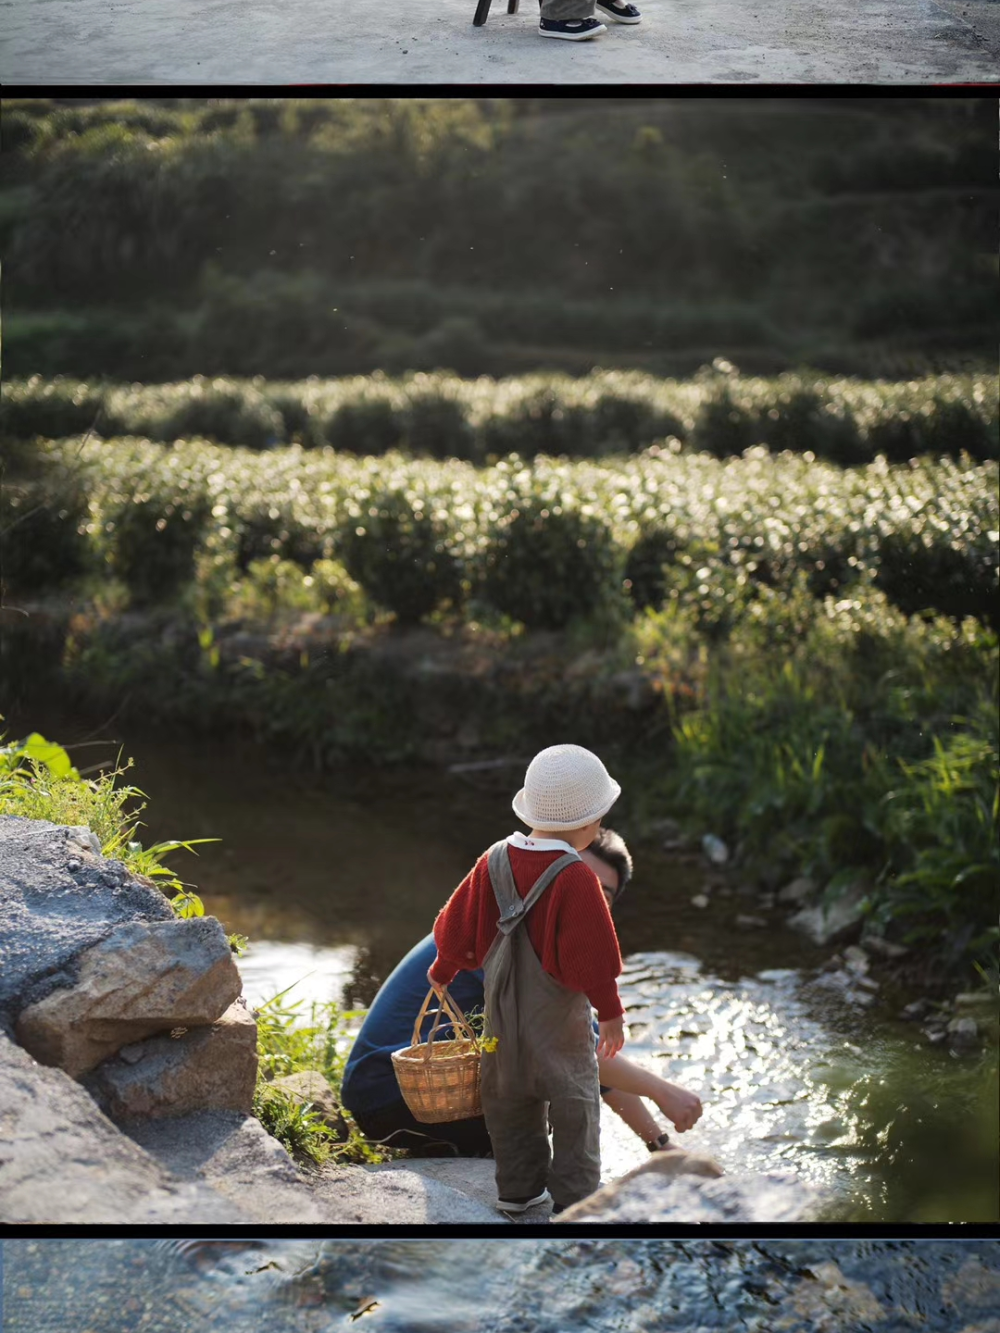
[512, 6]
[482, 9]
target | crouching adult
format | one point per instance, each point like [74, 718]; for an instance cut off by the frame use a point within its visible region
[371, 1093]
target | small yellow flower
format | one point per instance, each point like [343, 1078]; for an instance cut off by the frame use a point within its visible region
[489, 1043]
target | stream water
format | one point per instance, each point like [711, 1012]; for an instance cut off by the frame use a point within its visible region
[504, 1286]
[334, 878]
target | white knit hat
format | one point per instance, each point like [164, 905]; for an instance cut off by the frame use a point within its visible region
[565, 787]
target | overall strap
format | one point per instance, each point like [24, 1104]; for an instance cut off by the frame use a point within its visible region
[512, 906]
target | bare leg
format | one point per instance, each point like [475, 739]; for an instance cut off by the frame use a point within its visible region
[682, 1108]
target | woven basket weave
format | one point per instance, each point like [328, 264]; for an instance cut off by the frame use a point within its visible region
[439, 1080]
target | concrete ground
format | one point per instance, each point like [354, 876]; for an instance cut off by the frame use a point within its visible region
[415, 42]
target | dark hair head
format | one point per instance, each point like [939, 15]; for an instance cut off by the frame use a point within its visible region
[610, 847]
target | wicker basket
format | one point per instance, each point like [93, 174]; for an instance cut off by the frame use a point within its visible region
[439, 1080]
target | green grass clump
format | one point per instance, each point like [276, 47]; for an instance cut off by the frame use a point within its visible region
[291, 1041]
[38, 780]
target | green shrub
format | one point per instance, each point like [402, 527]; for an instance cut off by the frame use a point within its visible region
[153, 537]
[831, 563]
[536, 422]
[620, 423]
[43, 530]
[647, 565]
[954, 426]
[900, 436]
[370, 425]
[801, 420]
[299, 422]
[18, 130]
[276, 530]
[724, 426]
[939, 821]
[54, 409]
[437, 426]
[713, 592]
[545, 562]
[920, 570]
[219, 409]
[398, 552]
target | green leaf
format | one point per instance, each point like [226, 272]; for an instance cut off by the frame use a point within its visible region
[53, 756]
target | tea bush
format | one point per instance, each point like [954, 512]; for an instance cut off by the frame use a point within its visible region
[372, 424]
[52, 409]
[43, 529]
[440, 415]
[436, 425]
[546, 562]
[748, 522]
[800, 420]
[276, 530]
[921, 574]
[217, 409]
[152, 536]
[724, 425]
[397, 551]
[646, 568]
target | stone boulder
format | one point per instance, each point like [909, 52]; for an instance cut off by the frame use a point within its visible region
[836, 917]
[798, 890]
[311, 1087]
[211, 1068]
[140, 979]
[58, 897]
[685, 1187]
[62, 1160]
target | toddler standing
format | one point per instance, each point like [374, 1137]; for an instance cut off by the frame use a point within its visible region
[531, 913]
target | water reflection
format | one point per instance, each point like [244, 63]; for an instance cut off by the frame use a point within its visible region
[546, 1286]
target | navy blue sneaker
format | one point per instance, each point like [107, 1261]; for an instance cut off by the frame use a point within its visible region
[621, 13]
[571, 30]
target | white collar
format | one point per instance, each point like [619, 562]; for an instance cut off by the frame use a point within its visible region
[540, 844]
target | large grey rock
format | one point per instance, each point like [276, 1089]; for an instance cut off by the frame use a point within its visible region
[203, 1069]
[237, 1158]
[836, 918]
[58, 897]
[62, 1160]
[668, 1188]
[139, 980]
[798, 890]
[234, 1156]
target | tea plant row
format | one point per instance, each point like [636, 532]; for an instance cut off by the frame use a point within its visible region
[541, 542]
[440, 415]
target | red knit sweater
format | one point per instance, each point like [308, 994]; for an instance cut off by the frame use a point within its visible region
[569, 927]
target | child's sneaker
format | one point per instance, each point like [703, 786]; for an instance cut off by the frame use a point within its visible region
[571, 30]
[521, 1205]
[621, 13]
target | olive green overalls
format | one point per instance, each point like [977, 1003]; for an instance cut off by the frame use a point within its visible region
[544, 1068]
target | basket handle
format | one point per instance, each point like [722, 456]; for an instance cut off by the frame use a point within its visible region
[446, 1009]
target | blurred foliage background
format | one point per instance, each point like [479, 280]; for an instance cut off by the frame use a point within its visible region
[167, 237]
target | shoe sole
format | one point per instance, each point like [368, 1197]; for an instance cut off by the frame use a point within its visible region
[616, 18]
[523, 1207]
[574, 37]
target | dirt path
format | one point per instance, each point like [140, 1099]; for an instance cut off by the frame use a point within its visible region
[422, 42]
